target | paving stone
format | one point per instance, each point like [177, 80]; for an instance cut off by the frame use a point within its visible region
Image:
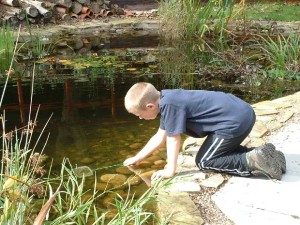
[246, 141]
[199, 176]
[261, 112]
[286, 116]
[255, 142]
[258, 130]
[191, 142]
[264, 118]
[189, 186]
[269, 105]
[214, 181]
[189, 162]
[296, 108]
[274, 125]
[178, 208]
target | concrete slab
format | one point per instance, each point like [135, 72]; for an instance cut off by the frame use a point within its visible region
[259, 200]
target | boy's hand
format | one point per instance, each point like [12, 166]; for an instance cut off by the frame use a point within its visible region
[162, 174]
[131, 161]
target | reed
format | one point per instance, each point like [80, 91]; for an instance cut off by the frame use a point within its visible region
[282, 55]
[7, 45]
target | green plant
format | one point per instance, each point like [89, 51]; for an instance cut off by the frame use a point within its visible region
[7, 45]
[36, 48]
[283, 55]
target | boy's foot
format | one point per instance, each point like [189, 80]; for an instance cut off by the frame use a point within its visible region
[260, 160]
[277, 155]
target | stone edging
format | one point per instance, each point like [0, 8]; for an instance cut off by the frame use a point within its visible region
[174, 202]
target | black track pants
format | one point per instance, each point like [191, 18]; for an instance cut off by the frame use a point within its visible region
[224, 155]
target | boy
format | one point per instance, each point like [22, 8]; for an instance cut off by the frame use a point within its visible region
[224, 119]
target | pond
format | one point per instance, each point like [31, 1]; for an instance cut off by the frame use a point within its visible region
[83, 94]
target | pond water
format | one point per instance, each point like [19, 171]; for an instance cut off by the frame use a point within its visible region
[84, 97]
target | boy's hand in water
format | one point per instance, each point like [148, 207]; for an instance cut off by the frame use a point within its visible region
[131, 161]
[162, 174]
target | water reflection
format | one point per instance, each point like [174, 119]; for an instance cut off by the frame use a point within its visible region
[90, 125]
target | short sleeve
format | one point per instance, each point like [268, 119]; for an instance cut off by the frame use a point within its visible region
[173, 119]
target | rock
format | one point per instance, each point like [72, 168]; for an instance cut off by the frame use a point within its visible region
[103, 186]
[255, 142]
[184, 212]
[87, 160]
[134, 180]
[258, 130]
[183, 187]
[83, 171]
[124, 170]
[274, 125]
[153, 158]
[246, 141]
[286, 116]
[148, 173]
[144, 164]
[190, 141]
[136, 145]
[262, 112]
[108, 202]
[115, 179]
[214, 181]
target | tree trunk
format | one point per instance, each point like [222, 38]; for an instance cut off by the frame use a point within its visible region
[15, 3]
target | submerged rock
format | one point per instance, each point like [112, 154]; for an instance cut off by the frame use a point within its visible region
[115, 179]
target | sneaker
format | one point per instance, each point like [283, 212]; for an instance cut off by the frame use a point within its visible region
[260, 161]
[277, 155]
[281, 158]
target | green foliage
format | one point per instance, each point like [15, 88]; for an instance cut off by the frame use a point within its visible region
[277, 11]
[283, 56]
[7, 44]
[37, 47]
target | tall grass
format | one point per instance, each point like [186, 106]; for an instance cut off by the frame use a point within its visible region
[7, 45]
[283, 56]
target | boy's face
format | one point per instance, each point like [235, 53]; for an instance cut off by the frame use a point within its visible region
[149, 113]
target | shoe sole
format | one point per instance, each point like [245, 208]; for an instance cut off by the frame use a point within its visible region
[278, 156]
[267, 163]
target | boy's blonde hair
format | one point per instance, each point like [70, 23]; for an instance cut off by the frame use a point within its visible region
[139, 95]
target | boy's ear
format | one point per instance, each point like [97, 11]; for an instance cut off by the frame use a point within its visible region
[150, 106]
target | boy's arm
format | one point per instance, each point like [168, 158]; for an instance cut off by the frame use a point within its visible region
[155, 141]
[173, 146]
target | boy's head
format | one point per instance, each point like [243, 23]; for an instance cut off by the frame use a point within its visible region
[142, 100]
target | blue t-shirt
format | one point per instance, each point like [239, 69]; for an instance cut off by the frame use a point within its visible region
[198, 112]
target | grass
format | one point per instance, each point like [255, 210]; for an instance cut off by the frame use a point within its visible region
[273, 11]
[7, 45]
[283, 56]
